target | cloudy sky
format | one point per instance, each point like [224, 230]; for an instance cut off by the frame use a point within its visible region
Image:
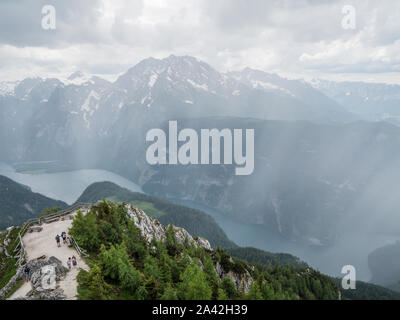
[297, 38]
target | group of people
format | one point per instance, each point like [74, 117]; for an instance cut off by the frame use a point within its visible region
[66, 240]
[71, 261]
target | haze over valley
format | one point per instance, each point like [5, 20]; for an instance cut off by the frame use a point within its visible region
[325, 178]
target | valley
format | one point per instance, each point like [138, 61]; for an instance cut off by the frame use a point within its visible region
[200, 150]
[65, 186]
[325, 173]
[349, 249]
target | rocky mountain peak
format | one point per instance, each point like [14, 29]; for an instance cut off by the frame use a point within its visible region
[76, 75]
[151, 228]
[79, 78]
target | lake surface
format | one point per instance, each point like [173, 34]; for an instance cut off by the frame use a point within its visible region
[66, 186]
[351, 249]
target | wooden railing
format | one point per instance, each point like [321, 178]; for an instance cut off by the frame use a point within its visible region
[80, 251]
[19, 249]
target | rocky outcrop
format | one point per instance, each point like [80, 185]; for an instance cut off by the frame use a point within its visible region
[151, 228]
[44, 280]
[11, 284]
[7, 241]
[242, 281]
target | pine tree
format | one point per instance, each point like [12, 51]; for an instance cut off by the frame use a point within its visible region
[229, 288]
[212, 278]
[194, 284]
[169, 294]
[85, 231]
[254, 292]
[222, 295]
[98, 287]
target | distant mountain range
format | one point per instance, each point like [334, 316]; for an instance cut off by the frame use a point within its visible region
[384, 265]
[62, 119]
[312, 182]
[369, 101]
[316, 165]
[76, 118]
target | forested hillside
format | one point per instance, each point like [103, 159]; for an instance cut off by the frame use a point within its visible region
[125, 264]
[254, 255]
[18, 203]
[194, 221]
[367, 291]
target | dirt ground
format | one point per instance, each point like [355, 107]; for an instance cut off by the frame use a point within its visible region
[42, 243]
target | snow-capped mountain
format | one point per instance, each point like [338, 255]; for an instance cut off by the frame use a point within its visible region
[183, 77]
[370, 101]
[81, 110]
[93, 123]
[36, 89]
[7, 87]
[315, 100]
[79, 78]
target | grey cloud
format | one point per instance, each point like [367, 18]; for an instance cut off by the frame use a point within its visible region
[20, 22]
[276, 35]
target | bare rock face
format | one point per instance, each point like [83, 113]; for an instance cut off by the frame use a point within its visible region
[10, 285]
[42, 279]
[242, 281]
[151, 228]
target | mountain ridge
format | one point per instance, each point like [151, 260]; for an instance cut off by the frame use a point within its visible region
[229, 278]
[18, 203]
[196, 222]
[124, 236]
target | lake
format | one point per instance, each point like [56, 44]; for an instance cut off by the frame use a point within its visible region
[351, 249]
[66, 186]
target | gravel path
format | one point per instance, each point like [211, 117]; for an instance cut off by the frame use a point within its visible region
[42, 243]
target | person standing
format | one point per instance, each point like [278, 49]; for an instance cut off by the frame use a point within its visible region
[64, 237]
[69, 263]
[27, 273]
[58, 241]
[74, 263]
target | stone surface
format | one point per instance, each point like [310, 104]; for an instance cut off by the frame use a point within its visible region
[40, 277]
[153, 228]
[241, 281]
[10, 285]
[41, 245]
